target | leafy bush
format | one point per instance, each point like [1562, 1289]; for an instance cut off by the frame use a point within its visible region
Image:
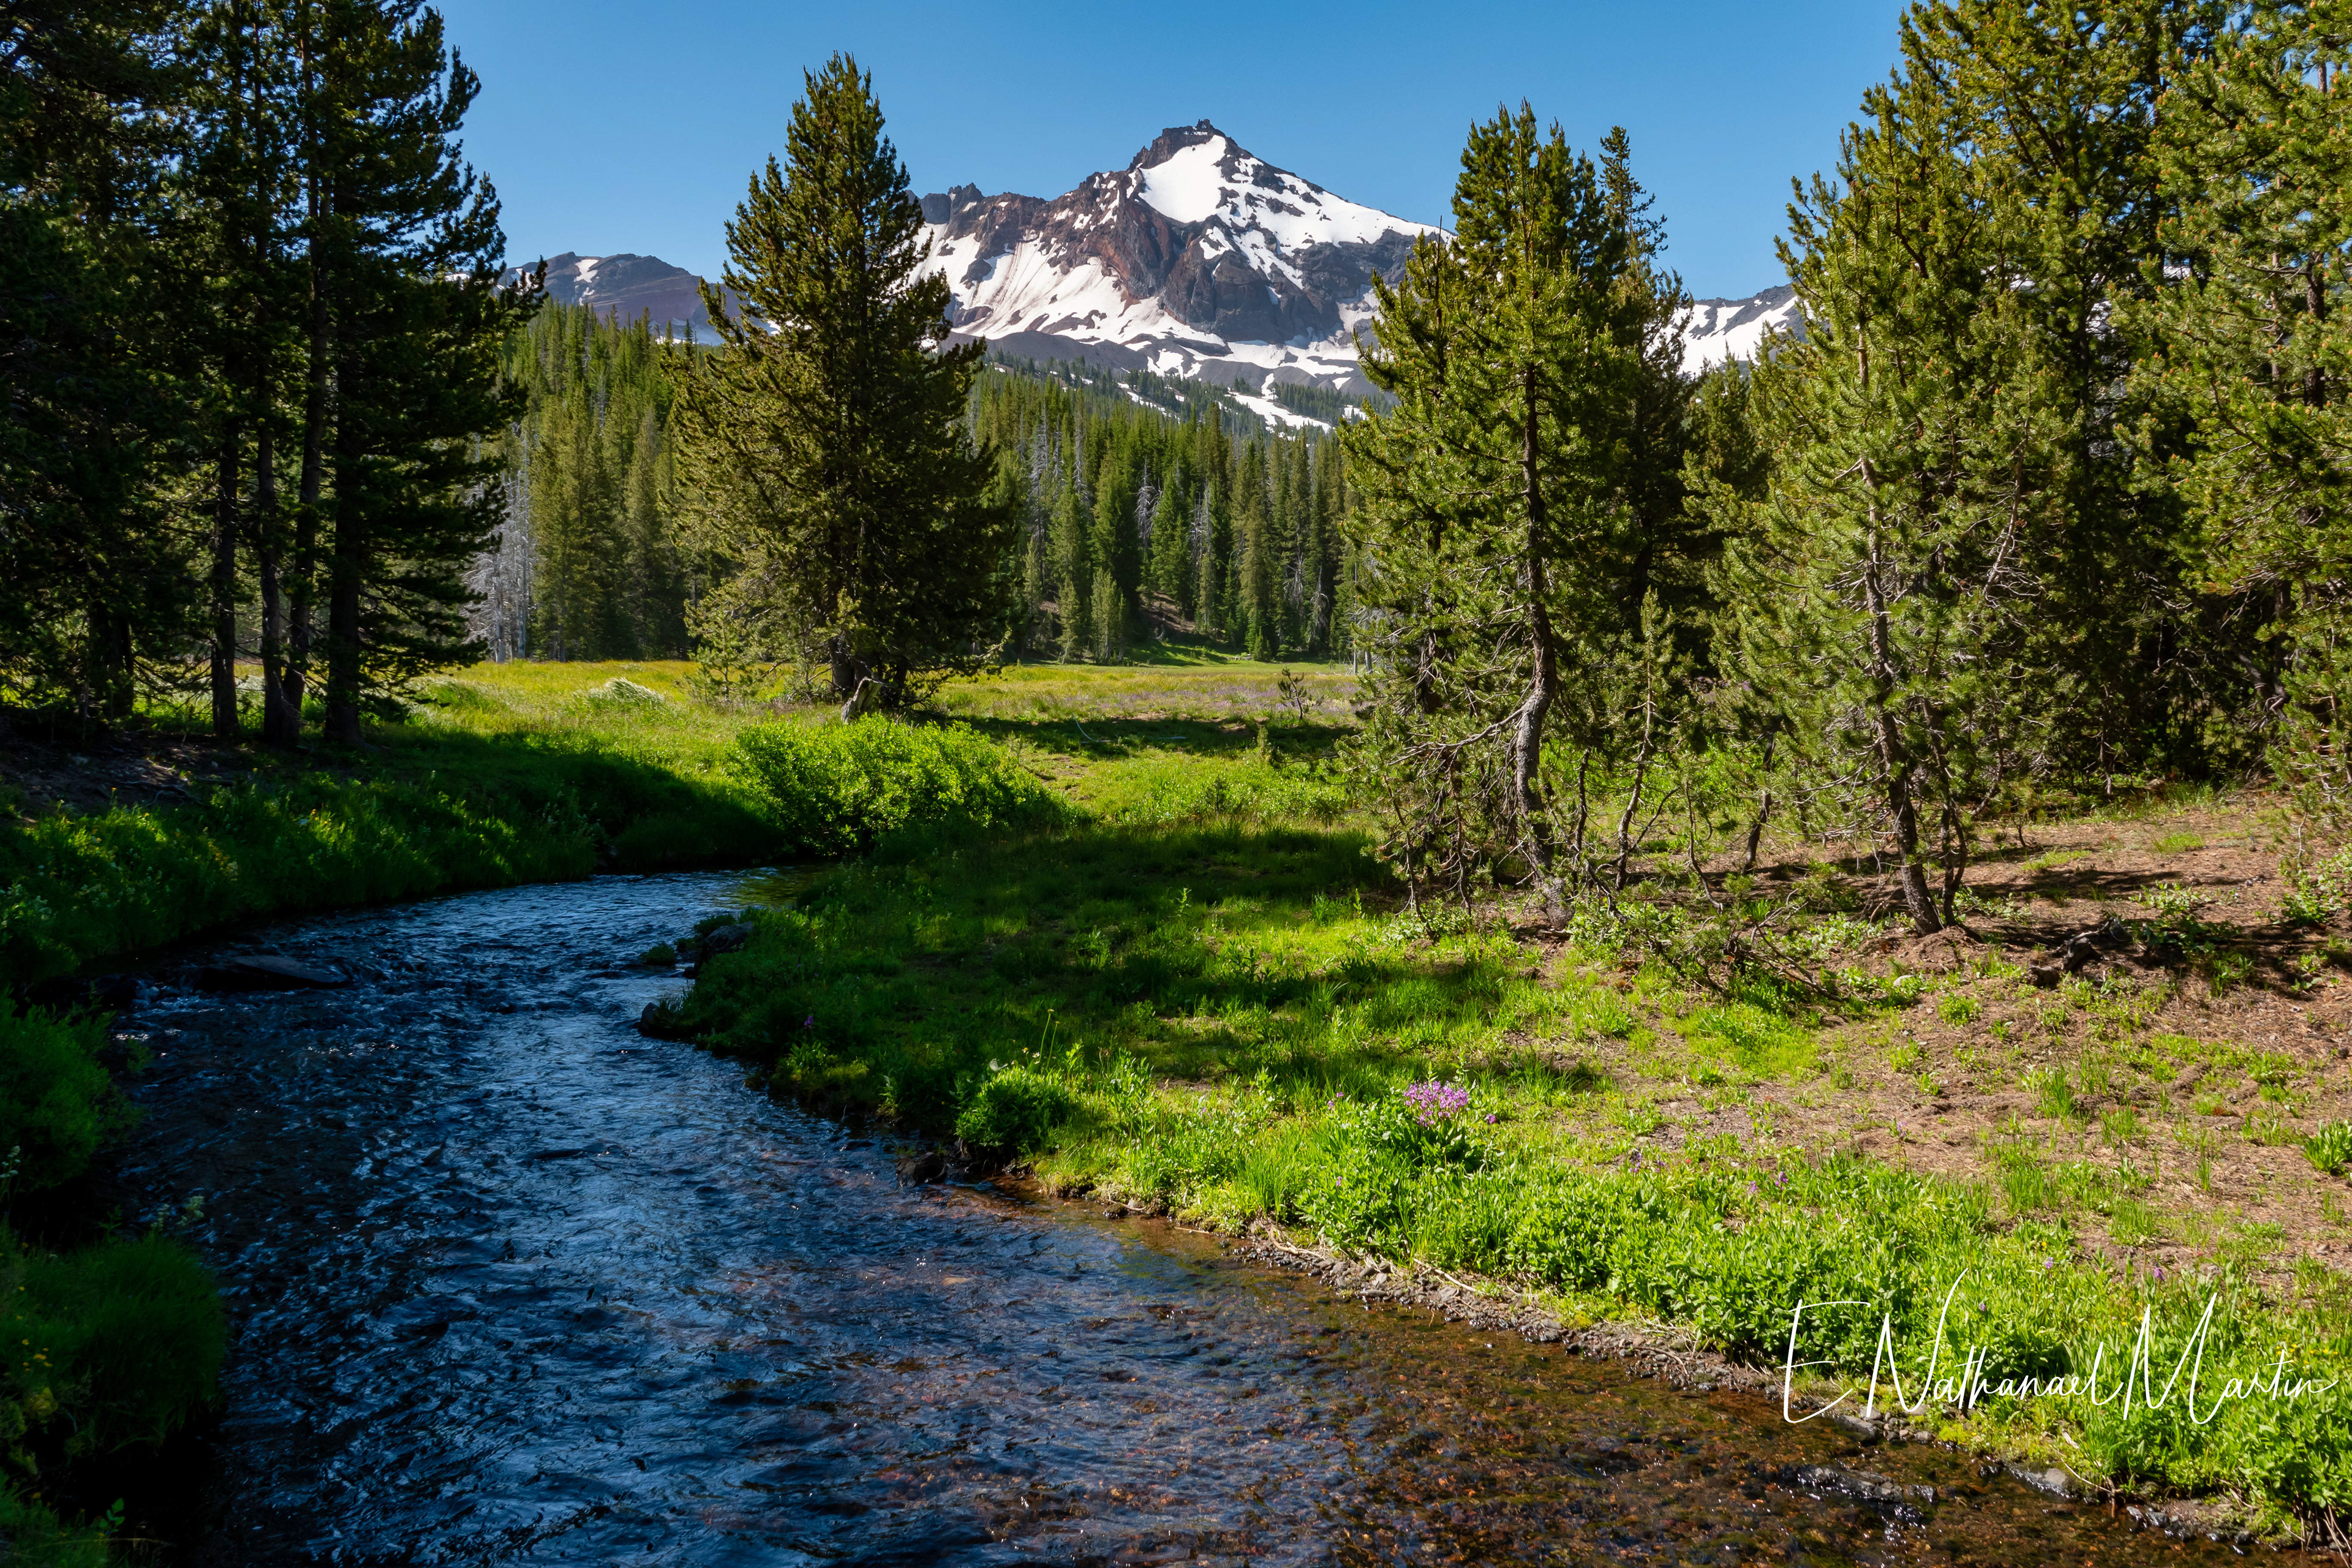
[1013, 1110]
[835, 789]
[2330, 1148]
[56, 1102]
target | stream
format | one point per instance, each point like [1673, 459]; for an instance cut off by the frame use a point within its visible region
[510, 1283]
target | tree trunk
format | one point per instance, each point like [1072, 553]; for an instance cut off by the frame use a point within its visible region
[1763, 804]
[346, 563]
[318, 410]
[1527, 742]
[281, 720]
[1892, 757]
[226, 479]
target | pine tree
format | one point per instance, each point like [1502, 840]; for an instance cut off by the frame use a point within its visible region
[2252, 337]
[1171, 573]
[1485, 495]
[92, 397]
[1257, 572]
[823, 446]
[406, 254]
[1879, 593]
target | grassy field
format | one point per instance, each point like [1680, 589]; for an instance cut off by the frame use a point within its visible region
[1203, 997]
[1193, 990]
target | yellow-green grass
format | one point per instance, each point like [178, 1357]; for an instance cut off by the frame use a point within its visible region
[1210, 688]
[1218, 1014]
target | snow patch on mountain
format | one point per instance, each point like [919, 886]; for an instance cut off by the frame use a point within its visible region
[1197, 259]
[1714, 331]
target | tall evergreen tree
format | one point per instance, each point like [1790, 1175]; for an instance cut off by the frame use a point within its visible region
[824, 443]
[406, 257]
[1956, 565]
[92, 396]
[1487, 494]
[2252, 336]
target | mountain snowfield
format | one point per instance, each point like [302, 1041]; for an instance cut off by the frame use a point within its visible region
[1198, 260]
[1201, 259]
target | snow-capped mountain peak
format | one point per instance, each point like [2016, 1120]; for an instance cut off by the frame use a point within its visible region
[1199, 259]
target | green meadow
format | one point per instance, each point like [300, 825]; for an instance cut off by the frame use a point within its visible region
[1120, 930]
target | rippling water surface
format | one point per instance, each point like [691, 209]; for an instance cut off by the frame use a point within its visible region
[511, 1284]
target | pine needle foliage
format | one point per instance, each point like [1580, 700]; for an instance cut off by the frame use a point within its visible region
[822, 445]
[1960, 574]
[1497, 503]
[2251, 336]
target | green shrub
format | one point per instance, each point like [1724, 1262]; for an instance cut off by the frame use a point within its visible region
[1013, 1110]
[1566, 1233]
[2330, 1148]
[56, 1103]
[1191, 792]
[835, 789]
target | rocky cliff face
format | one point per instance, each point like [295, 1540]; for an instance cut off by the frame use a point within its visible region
[1198, 258]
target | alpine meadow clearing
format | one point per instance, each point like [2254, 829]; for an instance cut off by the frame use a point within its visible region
[1118, 932]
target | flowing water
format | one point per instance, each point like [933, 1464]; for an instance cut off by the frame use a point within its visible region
[511, 1284]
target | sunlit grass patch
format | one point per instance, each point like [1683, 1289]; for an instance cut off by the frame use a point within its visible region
[1760, 1041]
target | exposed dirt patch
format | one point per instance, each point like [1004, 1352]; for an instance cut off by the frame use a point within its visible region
[130, 768]
[2127, 1038]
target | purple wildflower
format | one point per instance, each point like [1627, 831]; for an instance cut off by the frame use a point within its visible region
[1432, 1102]
[1491, 1119]
[809, 1022]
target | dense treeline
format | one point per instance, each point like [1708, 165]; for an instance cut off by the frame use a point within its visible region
[1148, 507]
[2051, 490]
[1134, 523]
[587, 564]
[253, 302]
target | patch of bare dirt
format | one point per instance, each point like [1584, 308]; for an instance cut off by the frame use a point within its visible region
[2161, 1075]
[129, 767]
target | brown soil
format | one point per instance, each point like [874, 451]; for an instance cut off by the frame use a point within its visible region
[129, 767]
[2195, 1068]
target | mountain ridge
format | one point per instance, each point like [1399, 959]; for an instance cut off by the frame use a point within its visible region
[1199, 259]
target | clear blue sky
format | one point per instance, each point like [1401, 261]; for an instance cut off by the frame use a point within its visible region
[614, 125]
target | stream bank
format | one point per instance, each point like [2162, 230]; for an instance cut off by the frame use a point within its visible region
[509, 1281]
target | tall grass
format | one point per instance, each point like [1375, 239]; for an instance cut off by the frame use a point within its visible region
[106, 1346]
[478, 791]
[835, 789]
